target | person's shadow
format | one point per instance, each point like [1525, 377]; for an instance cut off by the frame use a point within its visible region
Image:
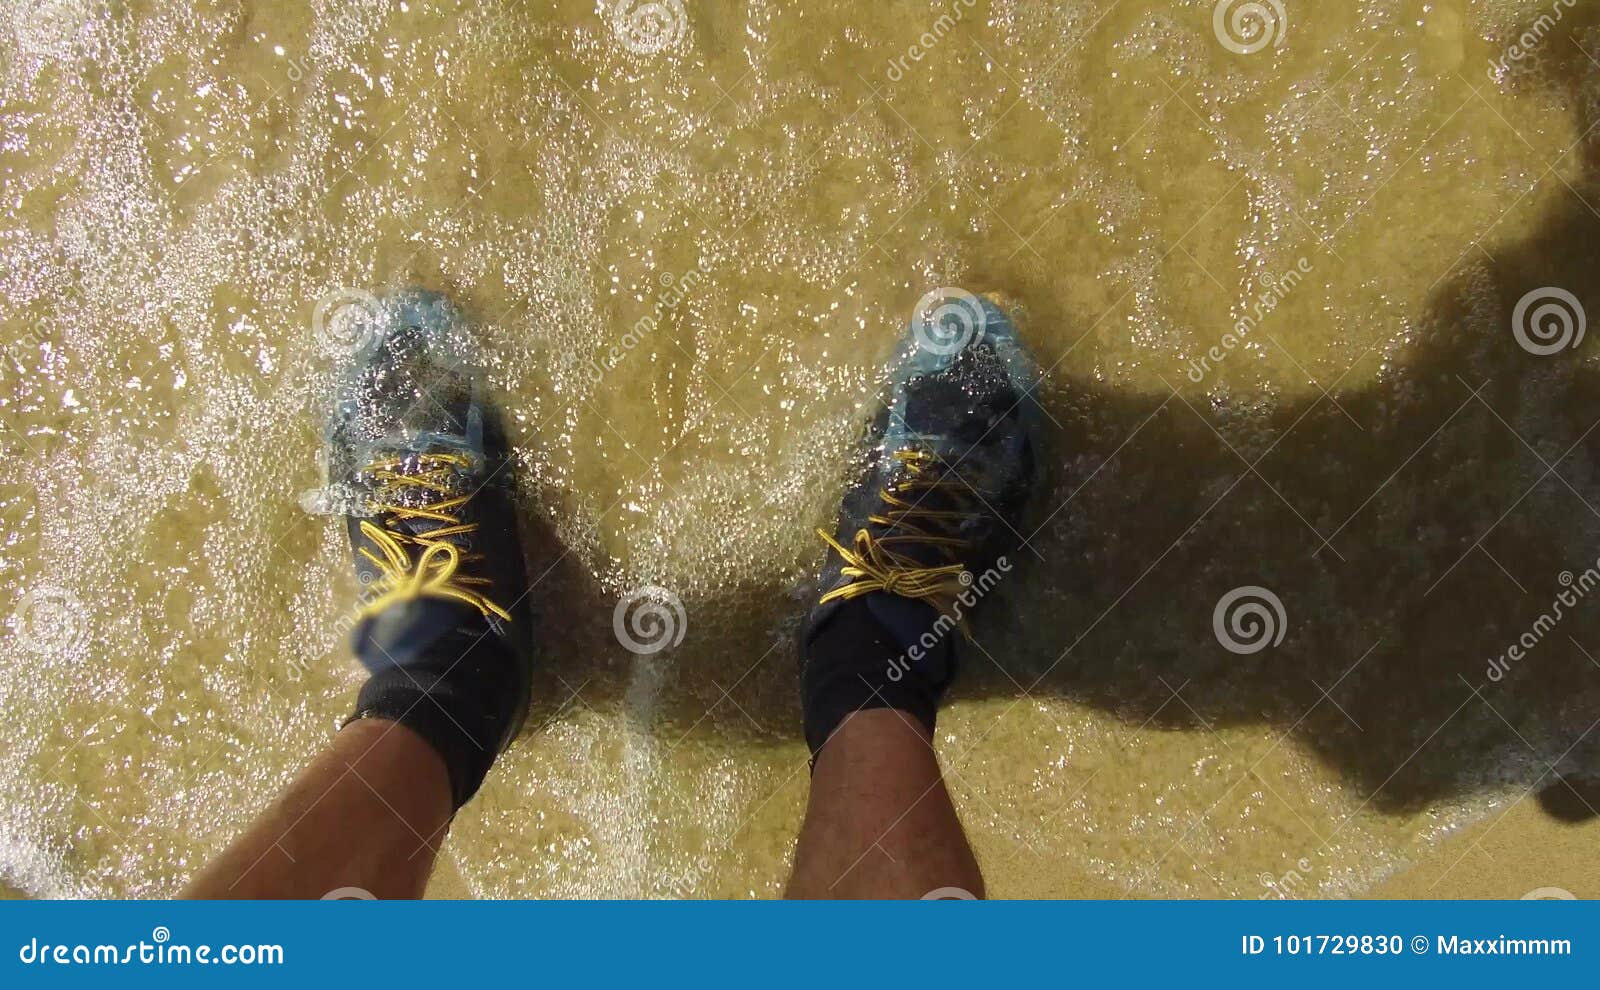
[1420, 534]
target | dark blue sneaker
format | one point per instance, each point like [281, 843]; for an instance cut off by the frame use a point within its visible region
[952, 459]
[418, 465]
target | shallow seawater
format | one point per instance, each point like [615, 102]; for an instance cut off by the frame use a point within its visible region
[776, 185]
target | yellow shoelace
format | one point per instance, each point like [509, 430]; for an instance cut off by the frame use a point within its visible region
[872, 565]
[436, 571]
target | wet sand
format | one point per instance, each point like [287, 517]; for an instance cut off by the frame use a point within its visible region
[775, 186]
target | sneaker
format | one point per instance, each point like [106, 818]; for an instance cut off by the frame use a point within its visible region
[952, 459]
[418, 463]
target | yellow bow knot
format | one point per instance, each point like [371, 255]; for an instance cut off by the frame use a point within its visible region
[436, 573]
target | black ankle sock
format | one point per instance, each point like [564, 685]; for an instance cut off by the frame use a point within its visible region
[440, 670]
[874, 655]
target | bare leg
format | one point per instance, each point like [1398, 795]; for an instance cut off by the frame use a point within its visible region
[880, 823]
[877, 652]
[369, 814]
[446, 633]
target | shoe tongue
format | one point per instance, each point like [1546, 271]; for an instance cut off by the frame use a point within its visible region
[407, 398]
[443, 486]
[922, 553]
[906, 619]
[960, 404]
[418, 453]
[407, 633]
[935, 499]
